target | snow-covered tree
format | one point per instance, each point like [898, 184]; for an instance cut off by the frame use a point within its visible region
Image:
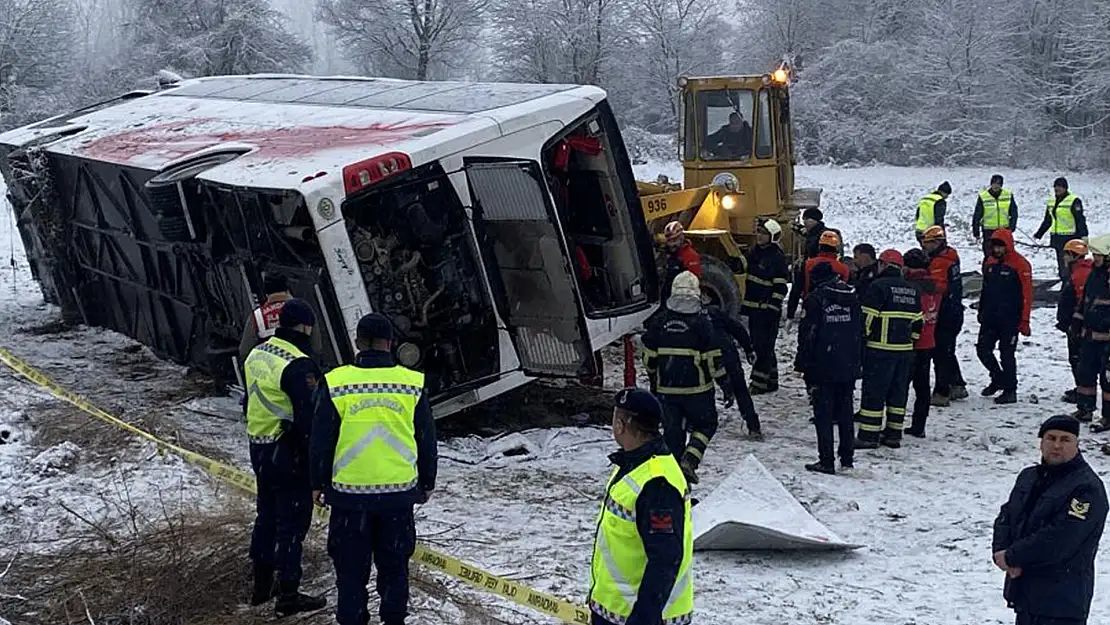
[36, 51]
[414, 39]
[213, 37]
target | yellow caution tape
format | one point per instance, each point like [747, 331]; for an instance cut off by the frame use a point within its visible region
[516, 592]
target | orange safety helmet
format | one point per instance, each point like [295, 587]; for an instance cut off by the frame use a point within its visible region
[1077, 247]
[933, 233]
[673, 231]
[829, 238]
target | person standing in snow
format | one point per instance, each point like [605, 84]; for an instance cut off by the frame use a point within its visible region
[917, 273]
[931, 210]
[1094, 337]
[892, 322]
[281, 379]
[766, 283]
[1047, 533]
[829, 243]
[681, 256]
[374, 458]
[729, 333]
[813, 228]
[944, 266]
[1069, 318]
[830, 348]
[1004, 309]
[1063, 220]
[643, 556]
[682, 358]
[264, 320]
[865, 267]
[996, 208]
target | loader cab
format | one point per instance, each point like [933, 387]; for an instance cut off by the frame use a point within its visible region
[741, 125]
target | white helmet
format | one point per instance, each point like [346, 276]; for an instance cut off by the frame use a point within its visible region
[1099, 245]
[686, 284]
[772, 227]
[673, 231]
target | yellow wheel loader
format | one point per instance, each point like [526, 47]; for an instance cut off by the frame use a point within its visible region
[737, 148]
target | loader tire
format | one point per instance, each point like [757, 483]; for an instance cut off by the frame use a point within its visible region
[717, 282]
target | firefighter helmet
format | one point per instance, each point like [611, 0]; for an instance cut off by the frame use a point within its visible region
[686, 284]
[891, 257]
[1077, 247]
[771, 227]
[829, 238]
[673, 231]
[933, 233]
[1100, 245]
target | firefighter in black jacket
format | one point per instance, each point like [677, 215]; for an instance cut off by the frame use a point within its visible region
[1094, 337]
[681, 358]
[729, 333]
[1047, 533]
[766, 283]
[829, 352]
[1069, 316]
[892, 321]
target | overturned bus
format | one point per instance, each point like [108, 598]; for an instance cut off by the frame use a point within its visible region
[496, 225]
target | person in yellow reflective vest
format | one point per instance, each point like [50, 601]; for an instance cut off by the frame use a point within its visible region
[373, 459]
[995, 208]
[931, 210]
[642, 570]
[1063, 220]
[281, 379]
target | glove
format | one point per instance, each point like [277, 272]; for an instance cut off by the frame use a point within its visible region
[750, 355]
[1024, 329]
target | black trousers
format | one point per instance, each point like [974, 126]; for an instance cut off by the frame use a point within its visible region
[743, 398]
[283, 514]
[1091, 374]
[763, 325]
[1025, 618]
[1003, 375]
[1058, 241]
[945, 361]
[358, 540]
[1074, 344]
[922, 361]
[832, 406]
[689, 422]
[886, 389]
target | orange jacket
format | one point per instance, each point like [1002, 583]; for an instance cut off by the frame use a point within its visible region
[825, 257]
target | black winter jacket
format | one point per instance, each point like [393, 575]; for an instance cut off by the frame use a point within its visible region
[767, 280]
[892, 312]
[682, 374]
[830, 336]
[1050, 528]
[1095, 308]
[726, 330]
[862, 278]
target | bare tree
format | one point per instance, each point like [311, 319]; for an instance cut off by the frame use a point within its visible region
[405, 38]
[35, 56]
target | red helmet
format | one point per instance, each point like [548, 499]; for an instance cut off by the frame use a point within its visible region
[891, 257]
[673, 231]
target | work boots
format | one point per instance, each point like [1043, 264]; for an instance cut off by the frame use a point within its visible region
[1083, 415]
[817, 467]
[990, 389]
[1102, 426]
[290, 601]
[1070, 397]
[958, 392]
[264, 589]
[941, 401]
[1007, 397]
[689, 465]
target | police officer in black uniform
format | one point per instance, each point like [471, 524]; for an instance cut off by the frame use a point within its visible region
[1047, 533]
[767, 280]
[681, 358]
[829, 351]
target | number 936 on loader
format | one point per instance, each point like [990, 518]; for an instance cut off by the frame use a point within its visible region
[736, 143]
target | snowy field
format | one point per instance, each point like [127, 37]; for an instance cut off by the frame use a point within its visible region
[924, 511]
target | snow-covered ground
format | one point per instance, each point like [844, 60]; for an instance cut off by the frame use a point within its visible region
[924, 511]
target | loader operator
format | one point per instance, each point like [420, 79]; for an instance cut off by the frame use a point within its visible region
[681, 256]
[374, 457]
[767, 280]
[681, 358]
[1069, 315]
[892, 322]
[642, 568]
[1063, 220]
[281, 379]
[931, 210]
[996, 208]
[733, 140]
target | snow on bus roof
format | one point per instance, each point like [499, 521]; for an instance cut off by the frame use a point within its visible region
[290, 125]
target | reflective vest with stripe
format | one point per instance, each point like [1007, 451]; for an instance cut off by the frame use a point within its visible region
[619, 557]
[1063, 219]
[267, 404]
[996, 211]
[926, 214]
[376, 451]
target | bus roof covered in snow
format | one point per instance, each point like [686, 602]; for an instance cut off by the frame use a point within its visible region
[291, 129]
